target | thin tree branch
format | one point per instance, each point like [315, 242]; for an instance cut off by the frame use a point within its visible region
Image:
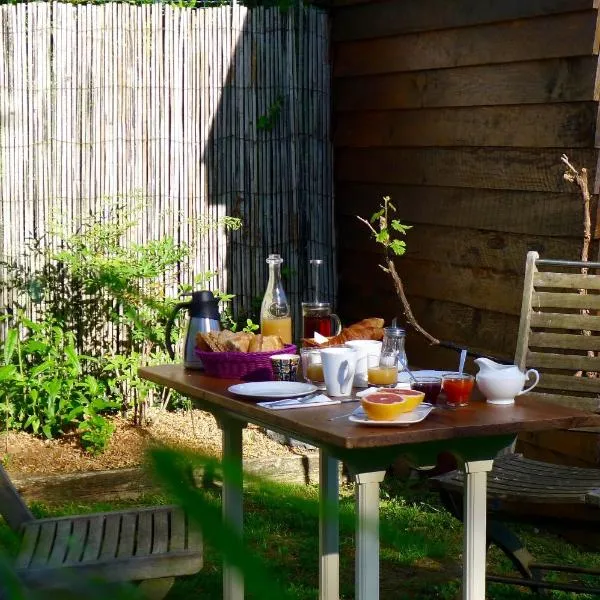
[399, 287]
[580, 178]
[390, 267]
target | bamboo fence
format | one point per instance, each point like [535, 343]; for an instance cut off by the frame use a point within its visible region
[166, 104]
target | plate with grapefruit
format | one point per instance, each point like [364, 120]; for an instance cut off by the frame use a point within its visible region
[391, 406]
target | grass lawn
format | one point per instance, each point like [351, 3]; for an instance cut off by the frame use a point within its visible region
[420, 545]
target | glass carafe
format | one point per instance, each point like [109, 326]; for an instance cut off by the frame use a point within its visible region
[275, 315]
[391, 360]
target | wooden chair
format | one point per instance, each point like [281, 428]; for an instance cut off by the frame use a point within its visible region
[149, 545]
[556, 336]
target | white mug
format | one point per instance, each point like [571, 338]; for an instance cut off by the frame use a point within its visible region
[368, 356]
[339, 365]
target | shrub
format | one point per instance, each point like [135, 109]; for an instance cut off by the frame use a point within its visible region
[101, 309]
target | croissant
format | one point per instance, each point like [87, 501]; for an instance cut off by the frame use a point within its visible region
[367, 329]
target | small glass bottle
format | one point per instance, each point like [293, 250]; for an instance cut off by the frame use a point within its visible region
[392, 358]
[275, 316]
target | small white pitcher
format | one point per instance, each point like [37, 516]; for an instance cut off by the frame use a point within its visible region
[500, 386]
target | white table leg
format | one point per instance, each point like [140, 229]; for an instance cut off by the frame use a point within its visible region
[232, 498]
[367, 535]
[329, 529]
[474, 519]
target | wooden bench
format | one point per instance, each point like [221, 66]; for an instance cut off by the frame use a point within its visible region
[556, 336]
[149, 545]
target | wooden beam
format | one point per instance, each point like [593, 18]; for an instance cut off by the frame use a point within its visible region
[562, 321]
[503, 211]
[573, 448]
[128, 484]
[561, 125]
[558, 36]
[562, 361]
[483, 168]
[570, 382]
[379, 19]
[571, 281]
[571, 79]
[561, 300]
[568, 341]
[485, 289]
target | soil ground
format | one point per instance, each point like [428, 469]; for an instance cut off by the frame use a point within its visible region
[192, 430]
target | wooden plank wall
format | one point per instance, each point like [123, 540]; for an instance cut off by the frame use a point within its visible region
[460, 110]
[163, 104]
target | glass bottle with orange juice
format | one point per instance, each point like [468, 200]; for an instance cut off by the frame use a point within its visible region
[385, 374]
[275, 316]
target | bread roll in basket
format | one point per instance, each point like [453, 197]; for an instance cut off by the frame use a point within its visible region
[240, 355]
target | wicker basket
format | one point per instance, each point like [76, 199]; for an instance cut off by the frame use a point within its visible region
[249, 366]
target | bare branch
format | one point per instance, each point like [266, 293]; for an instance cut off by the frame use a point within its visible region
[367, 224]
[410, 318]
[565, 159]
[573, 175]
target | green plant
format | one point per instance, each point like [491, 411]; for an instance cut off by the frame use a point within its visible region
[386, 230]
[267, 122]
[92, 282]
[96, 433]
[250, 326]
[42, 382]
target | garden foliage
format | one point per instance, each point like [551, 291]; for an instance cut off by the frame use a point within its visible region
[89, 310]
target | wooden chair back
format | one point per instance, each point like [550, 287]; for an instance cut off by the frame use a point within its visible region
[12, 507]
[558, 331]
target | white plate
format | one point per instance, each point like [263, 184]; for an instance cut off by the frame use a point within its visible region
[273, 389]
[404, 377]
[403, 420]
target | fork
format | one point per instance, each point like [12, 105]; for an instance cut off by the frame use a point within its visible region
[340, 416]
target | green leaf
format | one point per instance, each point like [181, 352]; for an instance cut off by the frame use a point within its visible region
[52, 388]
[74, 414]
[36, 346]
[73, 357]
[400, 227]
[7, 372]
[10, 344]
[103, 404]
[41, 368]
[375, 216]
[398, 247]
[383, 236]
[35, 424]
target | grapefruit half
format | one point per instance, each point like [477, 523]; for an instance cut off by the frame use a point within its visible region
[387, 405]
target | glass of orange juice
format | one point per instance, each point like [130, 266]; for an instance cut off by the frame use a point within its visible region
[312, 367]
[383, 376]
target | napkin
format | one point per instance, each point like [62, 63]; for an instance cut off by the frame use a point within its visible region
[319, 400]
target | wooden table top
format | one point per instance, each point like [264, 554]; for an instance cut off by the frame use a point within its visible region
[477, 420]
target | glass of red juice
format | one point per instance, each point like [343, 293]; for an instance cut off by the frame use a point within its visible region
[317, 317]
[430, 386]
[458, 388]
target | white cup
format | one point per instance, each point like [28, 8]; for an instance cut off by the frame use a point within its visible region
[339, 365]
[368, 356]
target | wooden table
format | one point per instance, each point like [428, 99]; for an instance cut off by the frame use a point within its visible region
[473, 434]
